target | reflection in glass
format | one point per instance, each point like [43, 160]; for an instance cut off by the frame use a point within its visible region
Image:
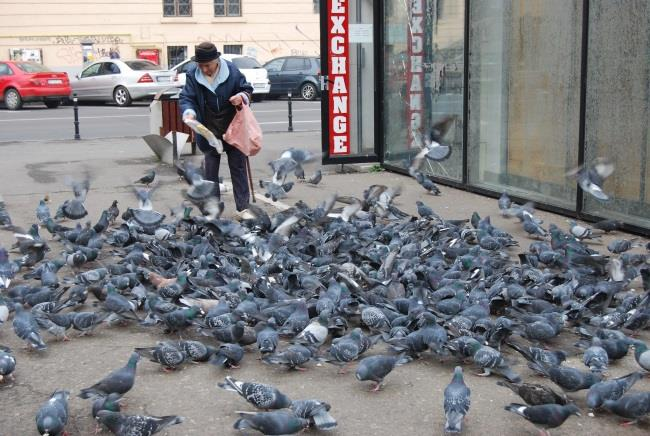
[424, 44]
[524, 97]
[618, 106]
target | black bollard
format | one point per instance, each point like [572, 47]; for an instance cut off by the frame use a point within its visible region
[76, 117]
[290, 113]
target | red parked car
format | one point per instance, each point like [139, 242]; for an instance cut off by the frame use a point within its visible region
[28, 81]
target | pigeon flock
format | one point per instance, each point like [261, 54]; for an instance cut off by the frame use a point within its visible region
[324, 284]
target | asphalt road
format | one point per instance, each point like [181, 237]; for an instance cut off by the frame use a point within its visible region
[36, 122]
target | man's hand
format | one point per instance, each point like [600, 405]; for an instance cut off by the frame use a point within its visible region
[236, 100]
[189, 117]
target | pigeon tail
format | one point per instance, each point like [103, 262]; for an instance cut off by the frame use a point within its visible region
[324, 421]
[454, 422]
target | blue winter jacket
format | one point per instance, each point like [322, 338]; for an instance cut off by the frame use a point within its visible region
[194, 94]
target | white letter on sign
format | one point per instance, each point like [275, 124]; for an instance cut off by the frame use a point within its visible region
[416, 6]
[340, 124]
[338, 65]
[337, 45]
[339, 86]
[337, 7]
[337, 25]
[416, 64]
[339, 144]
[416, 44]
[340, 104]
[415, 101]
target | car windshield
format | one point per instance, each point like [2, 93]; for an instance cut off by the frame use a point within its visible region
[246, 63]
[142, 65]
[31, 67]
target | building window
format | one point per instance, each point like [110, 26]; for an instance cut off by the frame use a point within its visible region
[177, 8]
[176, 54]
[227, 8]
[232, 49]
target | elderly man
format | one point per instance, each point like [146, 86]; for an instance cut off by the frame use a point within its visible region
[213, 88]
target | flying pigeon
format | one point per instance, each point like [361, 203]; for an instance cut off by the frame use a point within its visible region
[591, 177]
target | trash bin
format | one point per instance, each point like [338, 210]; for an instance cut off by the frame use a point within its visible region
[165, 117]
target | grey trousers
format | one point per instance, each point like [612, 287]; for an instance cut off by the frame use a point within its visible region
[238, 174]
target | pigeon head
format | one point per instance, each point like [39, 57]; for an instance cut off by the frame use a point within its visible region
[573, 409]
[133, 360]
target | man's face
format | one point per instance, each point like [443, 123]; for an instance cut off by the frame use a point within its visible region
[209, 68]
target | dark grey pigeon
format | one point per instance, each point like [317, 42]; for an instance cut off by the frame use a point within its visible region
[136, 425]
[595, 358]
[111, 402]
[7, 363]
[569, 379]
[611, 389]
[148, 178]
[53, 415]
[42, 212]
[228, 356]
[267, 336]
[504, 202]
[456, 402]
[631, 406]
[26, 328]
[271, 423]
[375, 368]
[534, 394]
[545, 416]
[5, 219]
[259, 395]
[492, 361]
[119, 381]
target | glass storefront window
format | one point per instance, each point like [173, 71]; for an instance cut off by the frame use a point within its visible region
[524, 97]
[424, 67]
[618, 106]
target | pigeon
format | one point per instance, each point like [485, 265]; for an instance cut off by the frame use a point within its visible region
[619, 246]
[113, 212]
[315, 178]
[197, 351]
[148, 178]
[540, 355]
[42, 212]
[642, 355]
[8, 269]
[546, 415]
[534, 394]
[259, 395]
[228, 356]
[423, 210]
[110, 402]
[52, 417]
[632, 406]
[316, 411]
[569, 379]
[504, 203]
[456, 402]
[271, 423]
[375, 368]
[7, 363]
[119, 381]
[595, 358]
[165, 353]
[5, 218]
[293, 357]
[26, 328]
[581, 232]
[121, 424]
[591, 177]
[611, 389]
[433, 148]
[492, 361]
[607, 225]
[316, 332]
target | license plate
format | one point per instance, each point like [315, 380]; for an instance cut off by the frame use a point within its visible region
[54, 81]
[164, 79]
[259, 85]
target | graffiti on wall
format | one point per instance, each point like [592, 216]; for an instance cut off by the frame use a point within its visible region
[75, 55]
[94, 39]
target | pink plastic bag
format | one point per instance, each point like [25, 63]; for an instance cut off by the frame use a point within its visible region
[244, 132]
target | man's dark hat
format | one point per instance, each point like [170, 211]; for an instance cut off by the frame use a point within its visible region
[205, 52]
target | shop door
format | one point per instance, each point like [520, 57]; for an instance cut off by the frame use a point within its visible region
[348, 84]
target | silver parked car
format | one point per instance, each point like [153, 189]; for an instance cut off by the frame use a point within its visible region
[122, 81]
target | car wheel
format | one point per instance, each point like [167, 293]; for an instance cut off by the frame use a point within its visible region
[13, 101]
[52, 104]
[121, 96]
[308, 91]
